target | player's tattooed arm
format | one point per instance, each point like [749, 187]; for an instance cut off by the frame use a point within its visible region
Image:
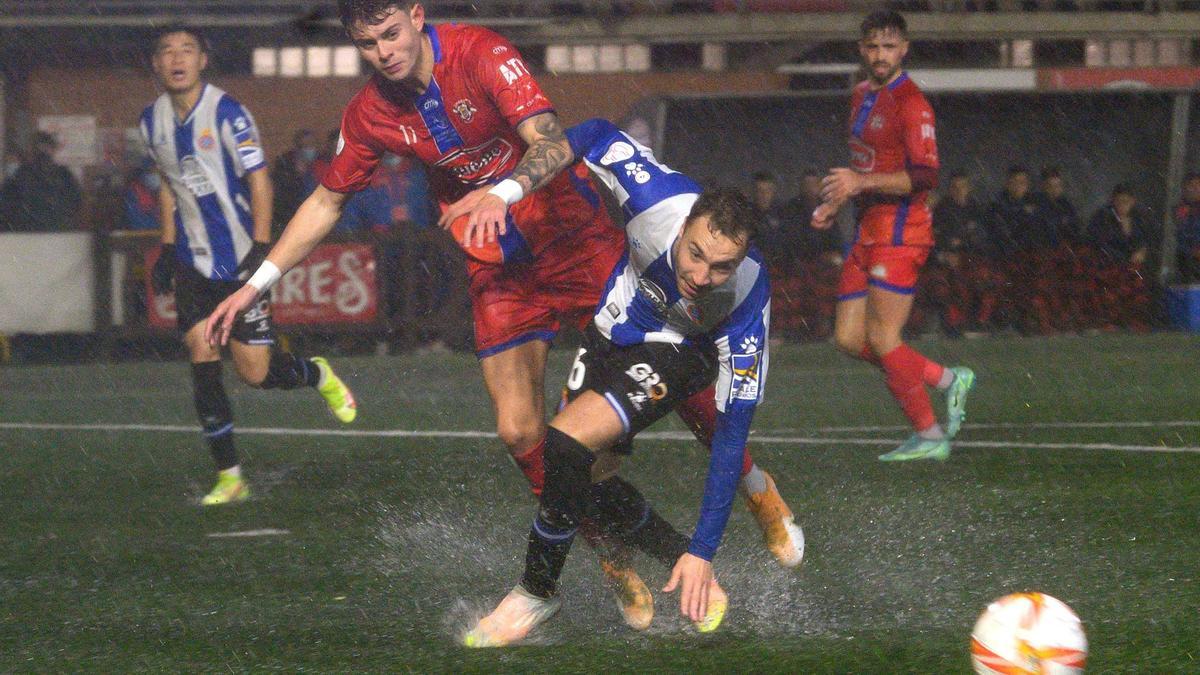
[549, 151]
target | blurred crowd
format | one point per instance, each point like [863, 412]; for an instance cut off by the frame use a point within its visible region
[1024, 260]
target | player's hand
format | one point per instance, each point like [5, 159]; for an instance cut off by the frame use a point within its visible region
[823, 215]
[162, 276]
[487, 217]
[254, 258]
[695, 576]
[220, 323]
[840, 185]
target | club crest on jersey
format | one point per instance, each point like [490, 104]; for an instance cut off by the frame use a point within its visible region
[617, 152]
[465, 110]
[876, 122]
[695, 313]
[654, 295]
[744, 382]
[206, 140]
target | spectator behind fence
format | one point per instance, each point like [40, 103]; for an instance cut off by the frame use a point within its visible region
[1187, 231]
[765, 192]
[1011, 215]
[41, 196]
[1058, 220]
[1119, 236]
[293, 178]
[805, 264]
[963, 288]
[141, 198]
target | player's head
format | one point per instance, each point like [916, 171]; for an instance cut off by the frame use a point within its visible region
[1016, 184]
[714, 240]
[810, 182]
[388, 34]
[180, 55]
[883, 44]
[1191, 188]
[1052, 182]
[1123, 199]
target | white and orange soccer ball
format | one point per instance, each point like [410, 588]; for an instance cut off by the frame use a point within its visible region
[1028, 633]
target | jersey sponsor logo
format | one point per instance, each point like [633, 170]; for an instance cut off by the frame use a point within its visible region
[206, 140]
[695, 313]
[876, 122]
[637, 172]
[251, 154]
[879, 271]
[465, 110]
[240, 123]
[653, 294]
[193, 176]
[927, 132]
[499, 49]
[614, 309]
[648, 380]
[430, 104]
[744, 383]
[513, 70]
[617, 152]
[480, 163]
[862, 156]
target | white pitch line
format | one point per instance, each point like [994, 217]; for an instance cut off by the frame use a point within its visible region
[1016, 425]
[661, 436]
[265, 532]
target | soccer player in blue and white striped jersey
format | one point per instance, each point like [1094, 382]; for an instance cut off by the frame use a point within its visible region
[688, 303]
[215, 211]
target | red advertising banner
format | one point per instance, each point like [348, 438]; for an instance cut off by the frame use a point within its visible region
[1092, 79]
[335, 284]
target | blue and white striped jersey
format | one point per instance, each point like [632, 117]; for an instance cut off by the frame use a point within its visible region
[642, 303]
[204, 159]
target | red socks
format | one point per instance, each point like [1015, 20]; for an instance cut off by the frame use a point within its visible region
[906, 370]
[531, 465]
[699, 413]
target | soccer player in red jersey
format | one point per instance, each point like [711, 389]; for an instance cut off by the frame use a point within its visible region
[539, 241]
[894, 164]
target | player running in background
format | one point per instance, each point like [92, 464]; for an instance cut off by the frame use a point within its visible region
[894, 164]
[215, 211]
[460, 99]
[687, 304]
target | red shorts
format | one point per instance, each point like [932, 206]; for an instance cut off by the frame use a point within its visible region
[892, 268]
[517, 303]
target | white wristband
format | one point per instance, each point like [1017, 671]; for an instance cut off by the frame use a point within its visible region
[265, 277]
[509, 190]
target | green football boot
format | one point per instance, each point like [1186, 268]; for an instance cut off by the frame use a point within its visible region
[956, 399]
[229, 489]
[919, 448]
[337, 395]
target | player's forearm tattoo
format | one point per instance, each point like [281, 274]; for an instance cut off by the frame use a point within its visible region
[545, 157]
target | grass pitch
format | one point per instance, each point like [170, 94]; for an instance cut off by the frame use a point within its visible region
[371, 547]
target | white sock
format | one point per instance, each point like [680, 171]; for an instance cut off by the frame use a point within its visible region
[947, 379]
[934, 432]
[755, 481]
[235, 471]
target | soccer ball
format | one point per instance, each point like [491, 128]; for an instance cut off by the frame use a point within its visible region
[1028, 633]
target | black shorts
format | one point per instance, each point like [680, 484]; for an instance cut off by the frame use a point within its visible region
[197, 296]
[642, 382]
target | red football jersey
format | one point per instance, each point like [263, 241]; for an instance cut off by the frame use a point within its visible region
[464, 129]
[891, 130]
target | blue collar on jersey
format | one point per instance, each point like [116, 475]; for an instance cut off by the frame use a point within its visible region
[898, 81]
[192, 111]
[429, 30]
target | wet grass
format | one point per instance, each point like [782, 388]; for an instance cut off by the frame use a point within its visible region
[394, 544]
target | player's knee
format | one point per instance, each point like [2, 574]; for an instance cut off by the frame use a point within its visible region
[252, 373]
[882, 340]
[848, 343]
[519, 435]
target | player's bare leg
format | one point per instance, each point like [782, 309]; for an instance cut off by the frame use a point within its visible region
[515, 380]
[783, 537]
[216, 418]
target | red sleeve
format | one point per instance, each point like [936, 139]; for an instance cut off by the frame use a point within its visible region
[355, 159]
[500, 71]
[920, 138]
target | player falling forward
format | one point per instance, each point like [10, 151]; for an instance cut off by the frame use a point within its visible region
[894, 160]
[460, 99]
[689, 303]
[215, 210]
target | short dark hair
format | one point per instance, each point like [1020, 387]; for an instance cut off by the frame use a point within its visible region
[1191, 176]
[1015, 169]
[1049, 172]
[174, 28]
[729, 213]
[811, 170]
[959, 174]
[763, 176]
[1123, 189]
[884, 20]
[369, 11]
